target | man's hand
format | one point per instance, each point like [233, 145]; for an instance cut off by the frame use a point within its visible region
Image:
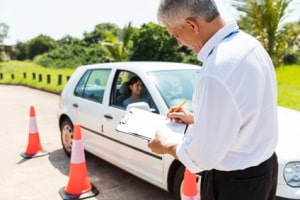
[160, 145]
[181, 116]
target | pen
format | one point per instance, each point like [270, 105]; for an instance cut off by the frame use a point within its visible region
[178, 107]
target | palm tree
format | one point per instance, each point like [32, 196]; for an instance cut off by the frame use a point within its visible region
[117, 47]
[263, 19]
[291, 40]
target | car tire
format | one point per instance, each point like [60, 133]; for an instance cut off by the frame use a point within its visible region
[66, 133]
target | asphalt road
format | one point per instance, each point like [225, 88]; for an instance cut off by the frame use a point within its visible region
[43, 177]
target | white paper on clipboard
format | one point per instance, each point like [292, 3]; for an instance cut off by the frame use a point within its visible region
[143, 124]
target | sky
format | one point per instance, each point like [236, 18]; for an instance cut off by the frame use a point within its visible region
[29, 18]
[57, 18]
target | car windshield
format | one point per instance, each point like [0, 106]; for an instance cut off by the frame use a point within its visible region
[176, 85]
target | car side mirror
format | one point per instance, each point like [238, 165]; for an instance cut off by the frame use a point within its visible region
[140, 105]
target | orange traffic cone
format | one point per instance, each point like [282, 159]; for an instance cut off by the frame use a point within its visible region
[34, 147]
[79, 186]
[189, 186]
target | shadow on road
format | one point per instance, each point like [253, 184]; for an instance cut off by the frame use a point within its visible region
[60, 161]
[112, 182]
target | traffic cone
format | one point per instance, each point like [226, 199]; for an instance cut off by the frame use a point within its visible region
[189, 186]
[79, 186]
[34, 147]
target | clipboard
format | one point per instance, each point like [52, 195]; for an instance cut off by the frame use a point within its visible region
[143, 124]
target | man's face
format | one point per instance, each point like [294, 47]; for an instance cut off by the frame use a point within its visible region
[185, 36]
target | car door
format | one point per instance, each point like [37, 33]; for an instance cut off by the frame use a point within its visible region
[89, 102]
[131, 152]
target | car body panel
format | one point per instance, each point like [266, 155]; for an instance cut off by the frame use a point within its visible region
[288, 148]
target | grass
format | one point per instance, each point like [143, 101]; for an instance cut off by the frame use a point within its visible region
[288, 80]
[17, 70]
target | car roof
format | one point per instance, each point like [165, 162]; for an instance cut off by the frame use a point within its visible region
[143, 65]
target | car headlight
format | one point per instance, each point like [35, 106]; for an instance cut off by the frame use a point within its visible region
[291, 174]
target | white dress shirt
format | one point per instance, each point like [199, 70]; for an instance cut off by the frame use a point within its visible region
[235, 105]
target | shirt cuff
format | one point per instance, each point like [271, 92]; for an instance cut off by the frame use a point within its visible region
[184, 158]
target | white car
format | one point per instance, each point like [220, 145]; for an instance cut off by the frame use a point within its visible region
[288, 152]
[93, 98]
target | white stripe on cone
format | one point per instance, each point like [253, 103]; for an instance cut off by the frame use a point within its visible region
[77, 155]
[32, 125]
[189, 198]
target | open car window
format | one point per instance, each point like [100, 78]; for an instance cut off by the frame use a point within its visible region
[121, 90]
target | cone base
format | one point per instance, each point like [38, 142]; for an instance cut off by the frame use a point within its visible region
[66, 196]
[38, 154]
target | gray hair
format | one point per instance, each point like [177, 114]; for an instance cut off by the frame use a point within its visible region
[175, 12]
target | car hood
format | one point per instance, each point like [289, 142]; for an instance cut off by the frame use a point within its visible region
[288, 148]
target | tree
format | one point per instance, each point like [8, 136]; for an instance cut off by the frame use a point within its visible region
[3, 31]
[100, 33]
[153, 43]
[291, 41]
[67, 40]
[3, 35]
[262, 18]
[21, 51]
[73, 52]
[117, 48]
[72, 56]
[40, 45]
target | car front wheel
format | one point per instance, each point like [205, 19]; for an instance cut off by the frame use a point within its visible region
[66, 131]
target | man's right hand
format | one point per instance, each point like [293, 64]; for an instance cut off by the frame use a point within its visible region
[181, 116]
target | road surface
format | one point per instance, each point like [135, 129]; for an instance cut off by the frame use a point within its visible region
[42, 177]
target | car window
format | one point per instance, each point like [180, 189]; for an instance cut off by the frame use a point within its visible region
[121, 90]
[79, 89]
[92, 85]
[175, 85]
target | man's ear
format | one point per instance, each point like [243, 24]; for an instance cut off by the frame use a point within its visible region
[192, 23]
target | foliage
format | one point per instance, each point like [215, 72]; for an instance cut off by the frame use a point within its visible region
[21, 51]
[117, 48]
[261, 19]
[73, 52]
[291, 40]
[3, 31]
[68, 40]
[100, 33]
[3, 34]
[71, 56]
[107, 42]
[153, 42]
[4, 56]
[40, 45]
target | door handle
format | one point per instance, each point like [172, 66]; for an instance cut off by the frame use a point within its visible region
[108, 116]
[75, 105]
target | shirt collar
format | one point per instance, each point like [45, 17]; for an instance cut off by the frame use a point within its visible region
[215, 40]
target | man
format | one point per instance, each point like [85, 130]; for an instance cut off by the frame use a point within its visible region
[233, 132]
